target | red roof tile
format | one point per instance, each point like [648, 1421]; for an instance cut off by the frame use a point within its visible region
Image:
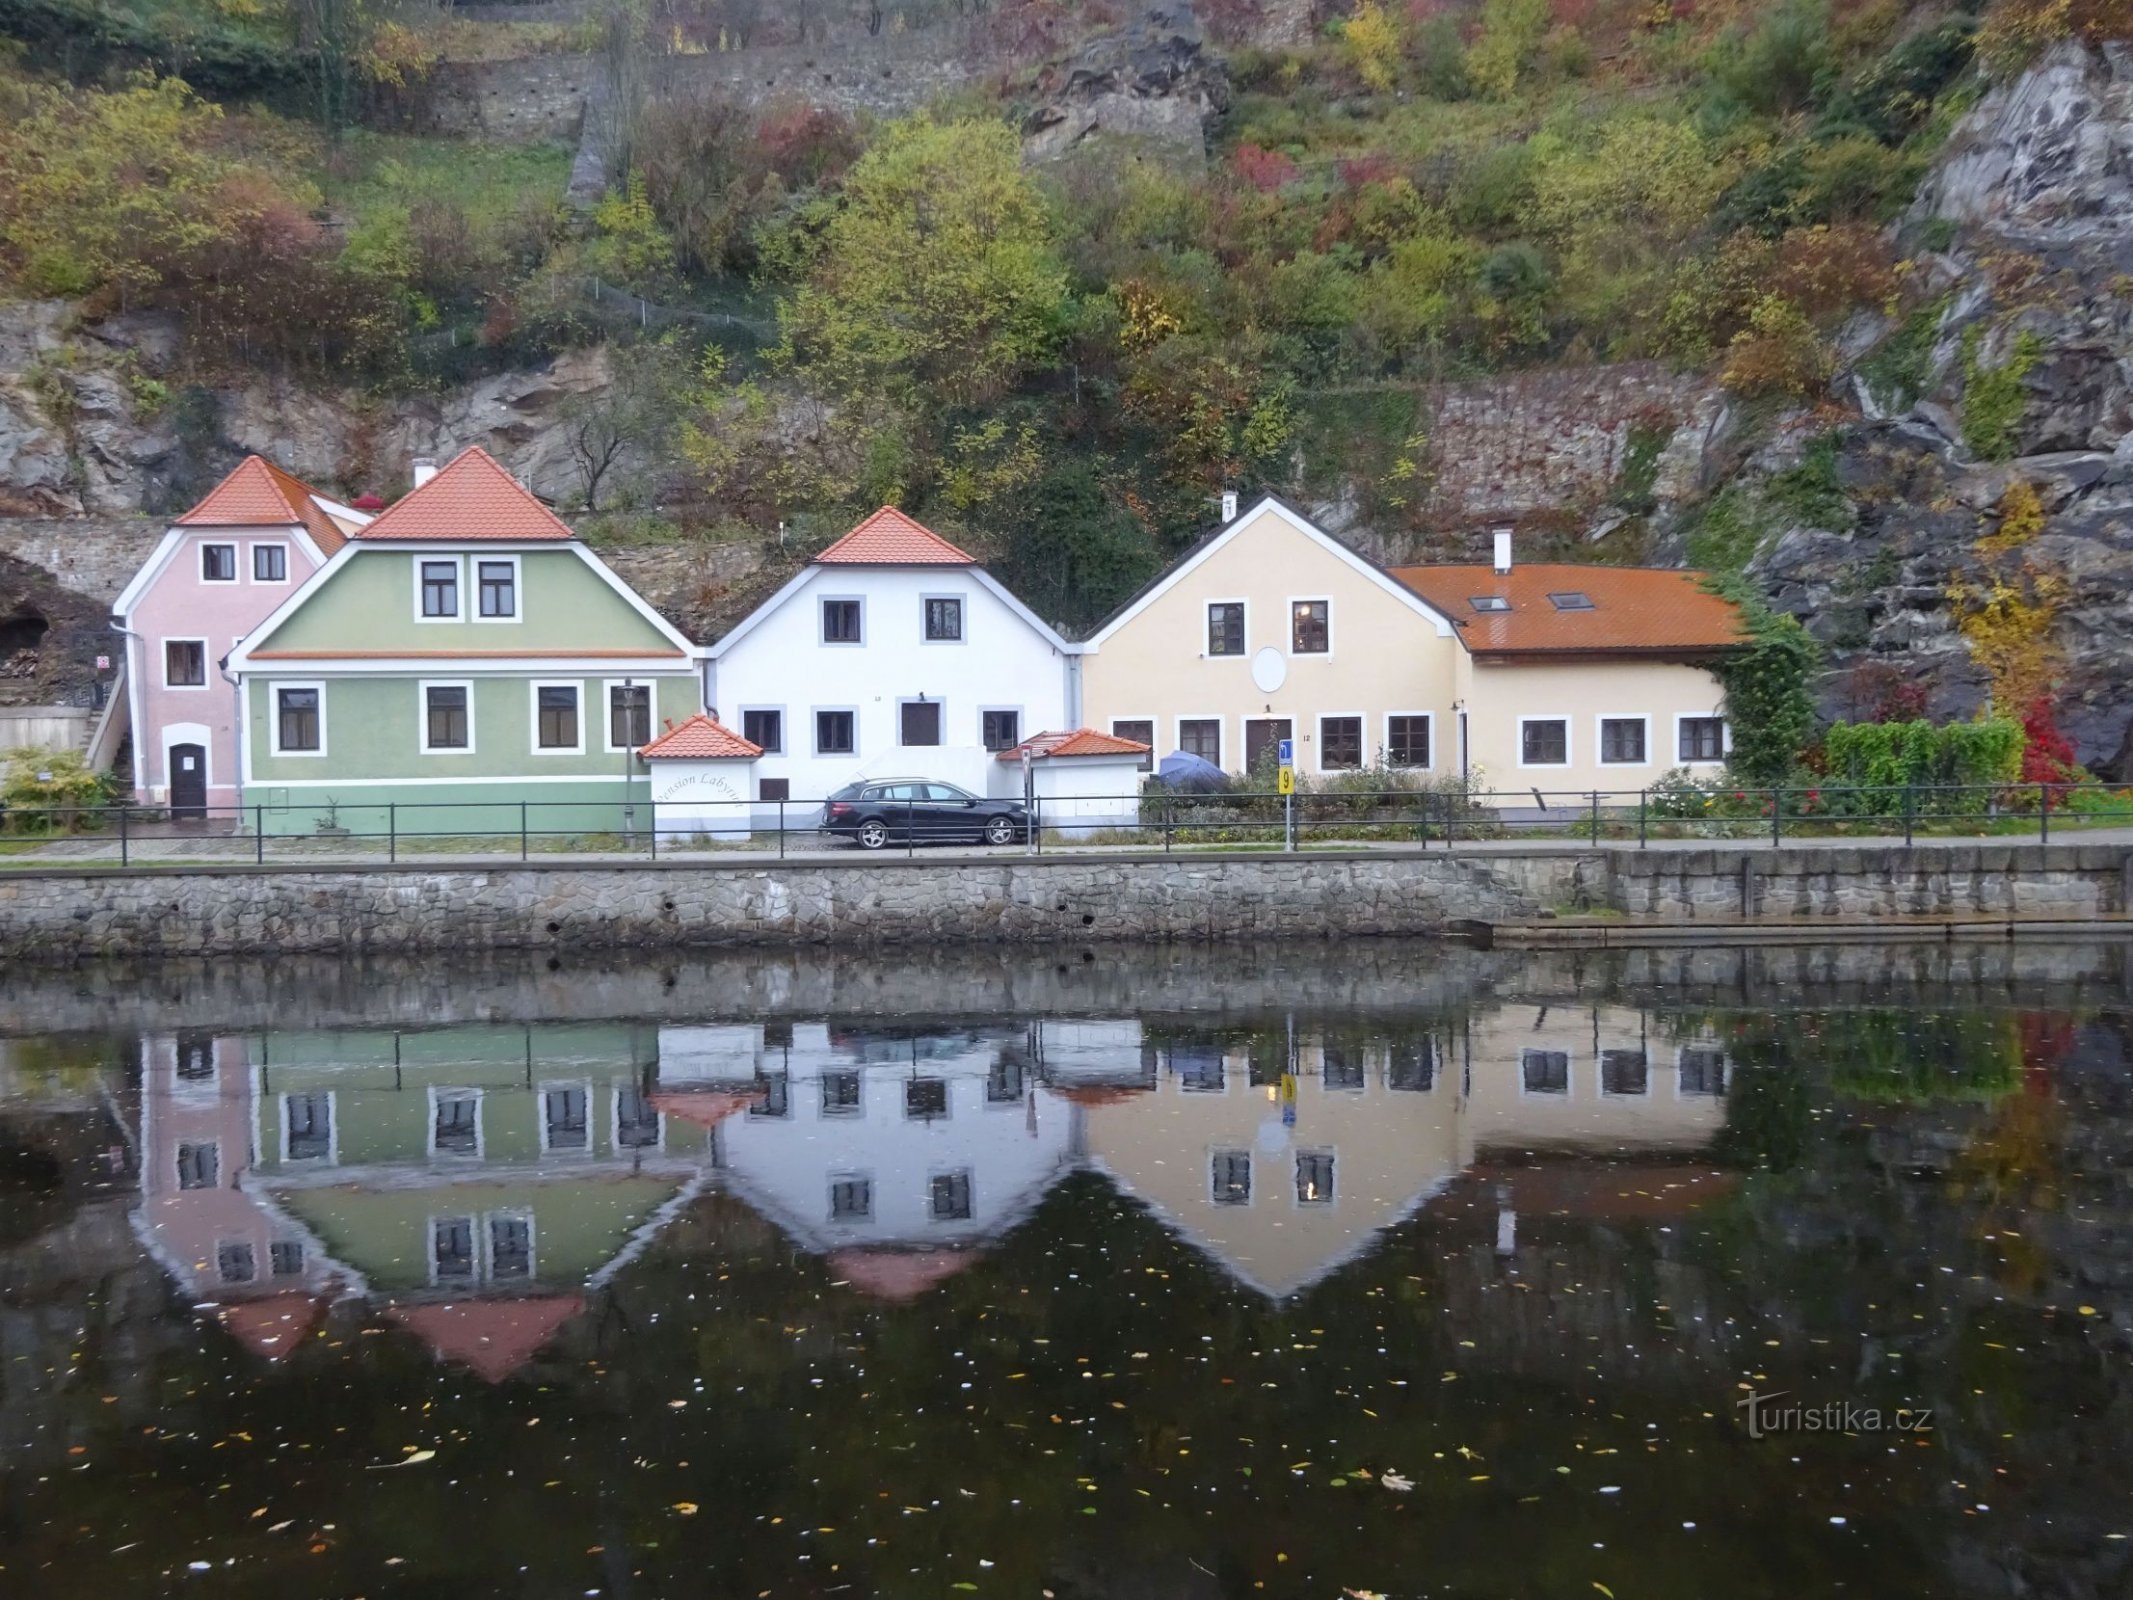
[276, 1325]
[471, 498]
[258, 494]
[890, 539]
[1641, 610]
[1081, 742]
[898, 1276]
[700, 739]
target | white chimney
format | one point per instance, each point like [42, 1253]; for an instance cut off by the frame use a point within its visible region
[425, 469]
[1229, 507]
[1503, 551]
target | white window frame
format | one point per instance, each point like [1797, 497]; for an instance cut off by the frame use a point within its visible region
[275, 686]
[822, 632]
[1725, 1068]
[252, 565]
[1599, 737]
[236, 571]
[332, 1157]
[1021, 716]
[533, 716]
[478, 1241]
[1570, 1074]
[472, 591]
[206, 664]
[541, 1092]
[423, 559]
[439, 1092]
[1318, 741]
[1429, 718]
[1177, 728]
[1332, 1199]
[485, 1241]
[1207, 627]
[1569, 744]
[423, 686]
[608, 686]
[1288, 643]
[814, 730]
[920, 699]
[784, 744]
[1725, 737]
[1252, 1184]
[614, 1119]
[962, 619]
[1154, 758]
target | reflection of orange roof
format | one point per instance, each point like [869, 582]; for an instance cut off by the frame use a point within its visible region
[890, 539]
[274, 1326]
[258, 494]
[1081, 742]
[1100, 1095]
[1643, 610]
[898, 1275]
[707, 1108]
[494, 1337]
[701, 738]
[472, 497]
[1607, 1190]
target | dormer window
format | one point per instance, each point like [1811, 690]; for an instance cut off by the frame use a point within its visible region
[1571, 600]
[1489, 602]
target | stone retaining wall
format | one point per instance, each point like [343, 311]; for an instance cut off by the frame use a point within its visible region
[1067, 899]
[862, 902]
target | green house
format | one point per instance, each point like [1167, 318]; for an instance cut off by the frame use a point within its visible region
[466, 667]
[469, 1160]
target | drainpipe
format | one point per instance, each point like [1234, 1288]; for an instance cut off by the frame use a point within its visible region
[237, 738]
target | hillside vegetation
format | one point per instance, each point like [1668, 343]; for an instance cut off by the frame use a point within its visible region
[1062, 363]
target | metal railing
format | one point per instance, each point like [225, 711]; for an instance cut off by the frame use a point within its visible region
[1245, 817]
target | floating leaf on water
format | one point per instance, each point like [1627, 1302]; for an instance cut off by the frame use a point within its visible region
[1396, 1483]
[686, 1507]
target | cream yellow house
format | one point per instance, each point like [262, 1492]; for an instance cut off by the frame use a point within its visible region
[1557, 678]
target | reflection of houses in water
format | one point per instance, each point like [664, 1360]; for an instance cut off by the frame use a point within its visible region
[479, 1179]
[898, 1153]
[476, 1177]
[1283, 1149]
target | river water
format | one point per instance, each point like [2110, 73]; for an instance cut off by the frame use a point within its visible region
[1382, 1268]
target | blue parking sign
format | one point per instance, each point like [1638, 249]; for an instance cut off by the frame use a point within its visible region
[1287, 755]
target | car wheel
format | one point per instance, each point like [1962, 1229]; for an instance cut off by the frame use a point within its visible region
[1001, 830]
[873, 834]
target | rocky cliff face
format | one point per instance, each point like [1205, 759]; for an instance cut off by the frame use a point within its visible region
[2021, 369]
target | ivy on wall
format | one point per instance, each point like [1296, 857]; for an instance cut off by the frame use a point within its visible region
[1769, 687]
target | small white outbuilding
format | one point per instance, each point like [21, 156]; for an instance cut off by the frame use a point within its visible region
[1080, 782]
[702, 783]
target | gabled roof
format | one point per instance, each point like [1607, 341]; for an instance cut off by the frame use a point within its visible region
[1214, 541]
[1081, 742]
[494, 1337]
[258, 494]
[701, 738]
[1652, 611]
[890, 539]
[470, 498]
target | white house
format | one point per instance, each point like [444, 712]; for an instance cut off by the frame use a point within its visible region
[892, 654]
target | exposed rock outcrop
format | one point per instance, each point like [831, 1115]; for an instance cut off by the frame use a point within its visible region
[1151, 81]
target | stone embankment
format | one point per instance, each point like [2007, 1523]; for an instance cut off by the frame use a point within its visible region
[1073, 899]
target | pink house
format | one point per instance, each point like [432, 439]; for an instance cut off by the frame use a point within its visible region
[218, 573]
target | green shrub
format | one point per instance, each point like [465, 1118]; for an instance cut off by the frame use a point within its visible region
[34, 783]
[1884, 768]
[1993, 397]
[1809, 492]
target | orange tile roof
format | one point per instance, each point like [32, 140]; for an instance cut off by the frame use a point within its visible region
[276, 1325]
[701, 738]
[1081, 742]
[898, 1276]
[1639, 610]
[471, 498]
[258, 494]
[890, 539]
